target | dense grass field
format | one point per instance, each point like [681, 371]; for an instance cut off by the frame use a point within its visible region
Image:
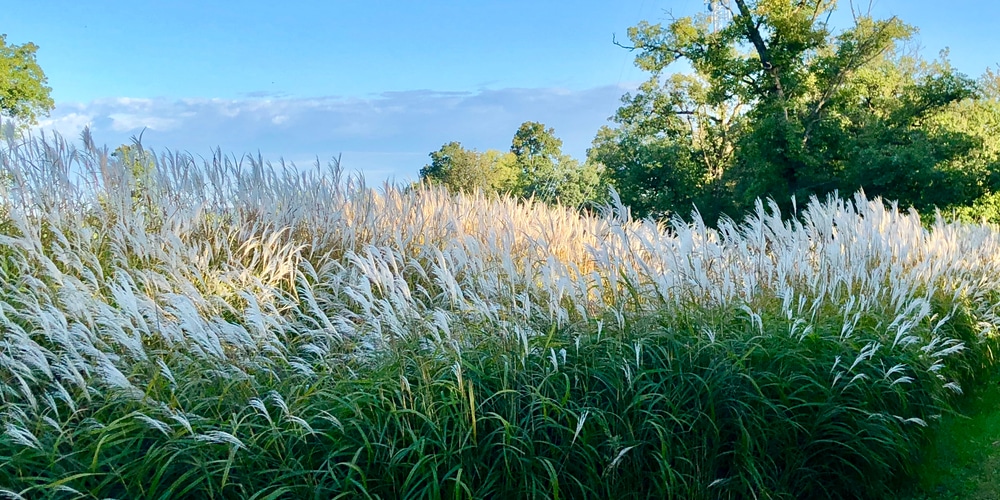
[228, 328]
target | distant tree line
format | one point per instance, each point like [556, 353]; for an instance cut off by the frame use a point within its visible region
[534, 167]
[775, 103]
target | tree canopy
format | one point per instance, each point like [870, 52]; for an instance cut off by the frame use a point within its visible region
[535, 167]
[777, 103]
[23, 93]
[468, 170]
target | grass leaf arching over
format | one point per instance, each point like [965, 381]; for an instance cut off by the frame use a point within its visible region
[243, 329]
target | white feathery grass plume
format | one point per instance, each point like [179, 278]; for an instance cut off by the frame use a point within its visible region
[182, 419]
[867, 352]
[166, 372]
[252, 266]
[21, 436]
[618, 458]
[10, 495]
[111, 375]
[279, 402]
[154, 424]
[51, 422]
[579, 425]
[258, 405]
[220, 437]
[954, 387]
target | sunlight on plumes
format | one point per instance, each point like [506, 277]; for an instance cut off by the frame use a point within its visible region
[479, 250]
[262, 271]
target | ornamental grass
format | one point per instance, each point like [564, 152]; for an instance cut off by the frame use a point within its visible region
[226, 327]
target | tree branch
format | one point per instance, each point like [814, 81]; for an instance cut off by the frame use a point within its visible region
[852, 64]
[753, 32]
[614, 40]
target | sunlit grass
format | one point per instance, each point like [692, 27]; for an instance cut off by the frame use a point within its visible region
[241, 329]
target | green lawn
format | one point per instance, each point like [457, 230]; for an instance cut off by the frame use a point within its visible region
[963, 460]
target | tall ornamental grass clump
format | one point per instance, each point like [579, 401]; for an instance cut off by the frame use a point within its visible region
[235, 329]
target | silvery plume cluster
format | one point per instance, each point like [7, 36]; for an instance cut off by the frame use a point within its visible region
[114, 278]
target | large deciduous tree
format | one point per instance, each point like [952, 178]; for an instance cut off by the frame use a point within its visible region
[467, 170]
[776, 103]
[23, 93]
[546, 174]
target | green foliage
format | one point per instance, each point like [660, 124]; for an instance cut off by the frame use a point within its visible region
[778, 105]
[658, 409]
[138, 179]
[963, 458]
[534, 168]
[537, 151]
[985, 209]
[23, 93]
[979, 119]
[139, 164]
[544, 173]
[464, 170]
[659, 162]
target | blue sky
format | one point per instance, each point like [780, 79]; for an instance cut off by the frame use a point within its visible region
[381, 82]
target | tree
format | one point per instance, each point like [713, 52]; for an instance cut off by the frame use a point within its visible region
[655, 176]
[140, 169]
[23, 93]
[537, 151]
[535, 167]
[777, 104]
[981, 119]
[546, 174]
[466, 170]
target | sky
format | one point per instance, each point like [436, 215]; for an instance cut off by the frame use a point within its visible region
[377, 83]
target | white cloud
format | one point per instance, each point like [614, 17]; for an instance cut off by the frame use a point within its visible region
[68, 124]
[134, 103]
[125, 122]
[387, 135]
